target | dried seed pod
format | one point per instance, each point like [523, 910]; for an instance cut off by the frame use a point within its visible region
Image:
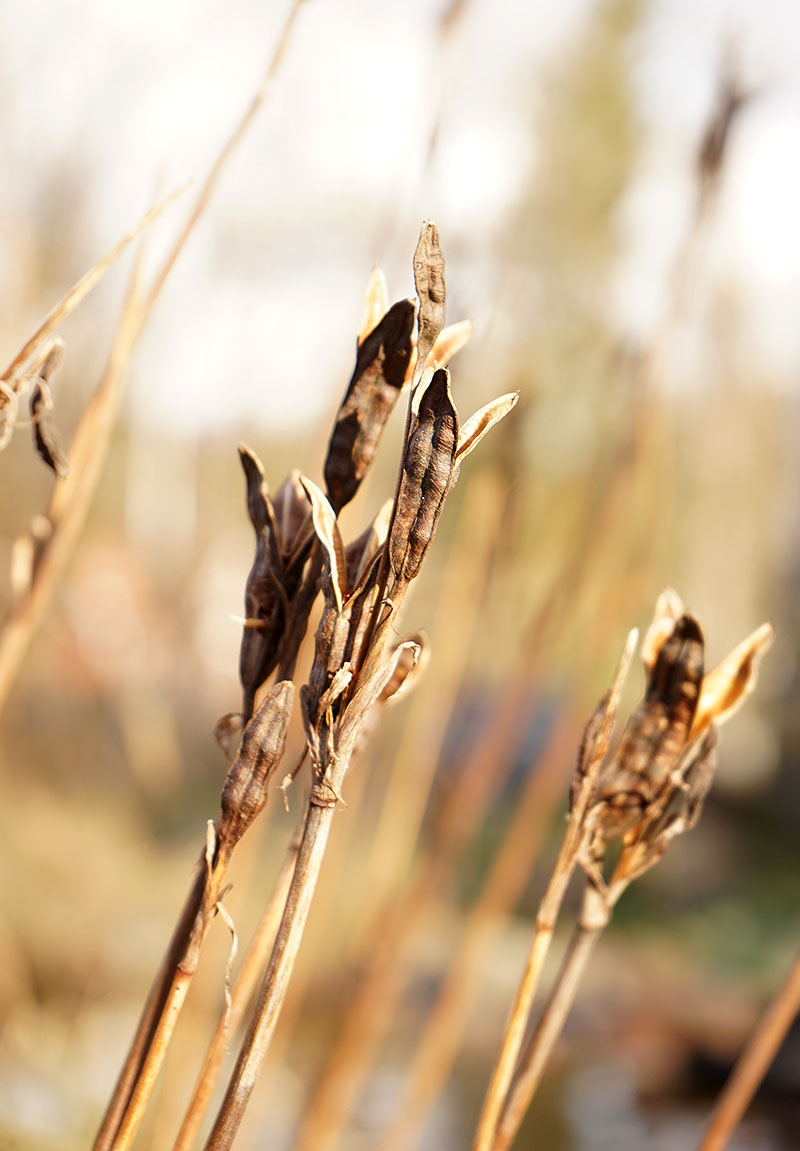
[675, 811]
[658, 731]
[292, 520]
[427, 471]
[45, 432]
[369, 401]
[430, 285]
[245, 790]
[264, 615]
[586, 751]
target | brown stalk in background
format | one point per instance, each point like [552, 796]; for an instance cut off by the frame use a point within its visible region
[137, 1078]
[41, 554]
[753, 1063]
[650, 791]
[243, 798]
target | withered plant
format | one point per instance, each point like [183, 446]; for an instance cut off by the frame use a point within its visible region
[359, 662]
[650, 790]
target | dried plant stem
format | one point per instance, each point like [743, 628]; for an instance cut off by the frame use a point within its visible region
[71, 499]
[79, 291]
[72, 496]
[162, 1009]
[388, 970]
[229, 147]
[284, 954]
[549, 909]
[753, 1063]
[521, 1009]
[551, 1023]
[245, 985]
[152, 1013]
[441, 1039]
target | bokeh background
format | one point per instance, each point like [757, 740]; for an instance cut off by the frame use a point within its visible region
[642, 294]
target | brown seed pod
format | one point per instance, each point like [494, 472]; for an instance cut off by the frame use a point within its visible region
[264, 615]
[369, 401]
[658, 731]
[245, 790]
[430, 285]
[427, 470]
[45, 432]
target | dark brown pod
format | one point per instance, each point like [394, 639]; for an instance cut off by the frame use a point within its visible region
[258, 654]
[263, 741]
[428, 464]
[658, 731]
[45, 432]
[370, 398]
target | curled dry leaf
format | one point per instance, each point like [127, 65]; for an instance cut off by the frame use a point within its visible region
[245, 790]
[330, 537]
[430, 285]
[475, 428]
[227, 728]
[409, 667]
[370, 398]
[376, 303]
[427, 471]
[730, 683]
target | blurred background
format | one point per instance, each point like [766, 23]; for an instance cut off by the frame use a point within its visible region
[616, 187]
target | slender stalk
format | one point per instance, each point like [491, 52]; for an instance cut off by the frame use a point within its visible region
[240, 997]
[284, 953]
[152, 1012]
[72, 496]
[549, 1028]
[549, 909]
[521, 1009]
[753, 1063]
[80, 290]
[162, 1009]
[229, 147]
[388, 971]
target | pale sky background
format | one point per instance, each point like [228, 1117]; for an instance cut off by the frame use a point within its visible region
[109, 103]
